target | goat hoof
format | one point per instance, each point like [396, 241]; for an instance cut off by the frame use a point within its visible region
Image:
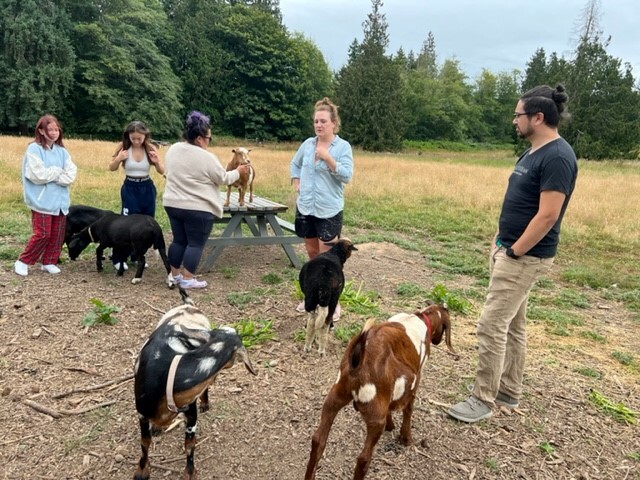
[136, 280]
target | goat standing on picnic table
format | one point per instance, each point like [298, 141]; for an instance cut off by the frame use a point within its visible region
[241, 157]
[380, 372]
[176, 366]
[123, 233]
[322, 281]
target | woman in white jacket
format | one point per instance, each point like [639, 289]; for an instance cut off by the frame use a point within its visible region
[47, 172]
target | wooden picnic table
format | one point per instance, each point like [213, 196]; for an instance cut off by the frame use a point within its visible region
[261, 218]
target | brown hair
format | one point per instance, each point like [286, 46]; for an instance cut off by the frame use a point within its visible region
[42, 124]
[134, 127]
[327, 105]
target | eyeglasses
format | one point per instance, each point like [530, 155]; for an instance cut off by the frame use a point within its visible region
[207, 137]
[518, 114]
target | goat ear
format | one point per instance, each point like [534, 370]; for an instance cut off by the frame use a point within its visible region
[247, 361]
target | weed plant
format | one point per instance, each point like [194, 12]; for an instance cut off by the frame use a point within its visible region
[101, 313]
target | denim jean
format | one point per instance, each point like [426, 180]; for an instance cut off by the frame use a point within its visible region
[502, 336]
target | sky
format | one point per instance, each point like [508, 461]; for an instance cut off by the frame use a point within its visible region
[500, 35]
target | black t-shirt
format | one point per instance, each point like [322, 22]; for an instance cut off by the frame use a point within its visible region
[552, 167]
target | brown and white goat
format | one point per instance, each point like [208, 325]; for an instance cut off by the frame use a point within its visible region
[176, 365]
[322, 281]
[241, 157]
[380, 372]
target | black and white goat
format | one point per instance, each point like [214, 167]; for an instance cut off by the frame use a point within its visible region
[124, 234]
[176, 365]
[322, 281]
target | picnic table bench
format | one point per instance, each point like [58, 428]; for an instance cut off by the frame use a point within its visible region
[261, 218]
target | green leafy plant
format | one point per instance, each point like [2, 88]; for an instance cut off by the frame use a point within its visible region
[455, 303]
[633, 456]
[546, 448]
[100, 313]
[492, 464]
[618, 411]
[357, 301]
[345, 332]
[622, 357]
[229, 272]
[254, 332]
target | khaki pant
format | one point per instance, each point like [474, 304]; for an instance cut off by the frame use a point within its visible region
[502, 336]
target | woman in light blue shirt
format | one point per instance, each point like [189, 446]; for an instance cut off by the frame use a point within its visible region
[319, 171]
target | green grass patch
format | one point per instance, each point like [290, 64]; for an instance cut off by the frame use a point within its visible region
[569, 297]
[618, 411]
[229, 272]
[271, 279]
[588, 372]
[358, 301]
[633, 456]
[254, 332]
[492, 464]
[623, 357]
[591, 335]
[410, 290]
[556, 322]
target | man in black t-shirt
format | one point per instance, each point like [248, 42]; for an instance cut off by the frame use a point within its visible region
[537, 196]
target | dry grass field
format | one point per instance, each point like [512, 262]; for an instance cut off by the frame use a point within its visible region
[418, 221]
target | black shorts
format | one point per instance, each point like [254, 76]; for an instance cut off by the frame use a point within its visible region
[308, 226]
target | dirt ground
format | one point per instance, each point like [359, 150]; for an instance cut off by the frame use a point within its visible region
[260, 427]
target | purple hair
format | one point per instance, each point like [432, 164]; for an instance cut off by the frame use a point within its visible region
[197, 125]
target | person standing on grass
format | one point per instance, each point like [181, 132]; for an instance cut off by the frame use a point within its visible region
[192, 198]
[136, 154]
[319, 171]
[524, 248]
[47, 172]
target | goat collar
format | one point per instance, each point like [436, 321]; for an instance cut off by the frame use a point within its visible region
[171, 404]
[427, 322]
[90, 236]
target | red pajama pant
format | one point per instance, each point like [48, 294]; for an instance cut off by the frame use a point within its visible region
[46, 242]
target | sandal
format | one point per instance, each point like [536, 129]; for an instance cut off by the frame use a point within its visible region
[192, 283]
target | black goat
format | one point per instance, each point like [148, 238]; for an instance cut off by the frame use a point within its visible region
[176, 365]
[79, 217]
[322, 281]
[124, 234]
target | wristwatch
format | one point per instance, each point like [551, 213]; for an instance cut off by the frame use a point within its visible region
[509, 252]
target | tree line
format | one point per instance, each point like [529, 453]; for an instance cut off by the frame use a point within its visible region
[98, 64]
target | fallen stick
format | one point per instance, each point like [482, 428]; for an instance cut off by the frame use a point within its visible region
[21, 439]
[154, 308]
[92, 387]
[87, 409]
[42, 409]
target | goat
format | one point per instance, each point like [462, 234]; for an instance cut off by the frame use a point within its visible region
[175, 367]
[124, 234]
[380, 372]
[322, 281]
[79, 217]
[241, 157]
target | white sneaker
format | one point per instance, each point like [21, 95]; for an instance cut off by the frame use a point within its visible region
[21, 268]
[117, 266]
[300, 307]
[52, 269]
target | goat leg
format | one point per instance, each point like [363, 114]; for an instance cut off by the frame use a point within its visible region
[226, 203]
[332, 405]
[190, 441]
[389, 425]
[143, 471]
[311, 330]
[405, 429]
[99, 257]
[140, 269]
[204, 401]
[241, 195]
[374, 432]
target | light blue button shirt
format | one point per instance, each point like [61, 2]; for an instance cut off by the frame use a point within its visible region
[321, 190]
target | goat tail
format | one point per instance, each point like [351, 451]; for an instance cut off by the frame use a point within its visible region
[357, 352]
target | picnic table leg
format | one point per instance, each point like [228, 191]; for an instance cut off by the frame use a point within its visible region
[207, 262]
[288, 249]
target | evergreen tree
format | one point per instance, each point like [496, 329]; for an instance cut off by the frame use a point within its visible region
[121, 74]
[536, 72]
[36, 62]
[369, 90]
